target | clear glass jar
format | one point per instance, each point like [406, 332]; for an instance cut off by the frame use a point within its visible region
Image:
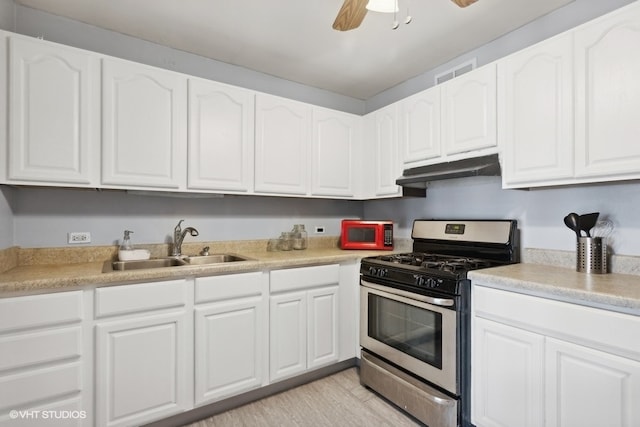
[299, 237]
[286, 241]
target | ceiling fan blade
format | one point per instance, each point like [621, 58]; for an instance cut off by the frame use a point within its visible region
[464, 3]
[350, 15]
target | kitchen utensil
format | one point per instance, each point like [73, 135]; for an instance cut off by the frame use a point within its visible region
[572, 221]
[588, 221]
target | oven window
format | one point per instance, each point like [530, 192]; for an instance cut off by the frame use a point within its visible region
[361, 235]
[410, 329]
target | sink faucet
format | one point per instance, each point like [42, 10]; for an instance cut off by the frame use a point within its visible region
[178, 237]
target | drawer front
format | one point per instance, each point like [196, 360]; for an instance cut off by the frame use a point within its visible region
[19, 351]
[35, 311]
[119, 300]
[18, 391]
[593, 327]
[305, 277]
[219, 288]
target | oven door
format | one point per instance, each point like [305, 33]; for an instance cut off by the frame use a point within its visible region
[415, 332]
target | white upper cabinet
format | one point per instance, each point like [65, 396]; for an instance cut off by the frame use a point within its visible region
[335, 151]
[221, 136]
[144, 125]
[283, 134]
[380, 146]
[536, 112]
[53, 122]
[420, 126]
[608, 95]
[469, 111]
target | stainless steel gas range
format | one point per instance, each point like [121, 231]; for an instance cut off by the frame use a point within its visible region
[415, 316]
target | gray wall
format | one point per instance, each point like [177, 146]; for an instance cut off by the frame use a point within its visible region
[43, 217]
[539, 212]
[7, 15]
[6, 218]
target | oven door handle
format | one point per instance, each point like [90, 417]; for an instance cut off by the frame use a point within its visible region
[442, 302]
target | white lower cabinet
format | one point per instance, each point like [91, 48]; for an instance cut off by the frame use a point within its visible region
[231, 321]
[303, 320]
[539, 362]
[43, 361]
[143, 355]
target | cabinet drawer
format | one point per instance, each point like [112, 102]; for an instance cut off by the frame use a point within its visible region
[217, 288]
[120, 300]
[23, 350]
[305, 277]
[17, 391]
[40, 310]
[597, 328]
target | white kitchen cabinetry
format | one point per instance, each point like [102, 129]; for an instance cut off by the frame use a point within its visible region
[469, 120]
[536, 112]
[540, 362]
[283, 135]
[420, 126]
[608, 95]
[303, 320]
[382, 153]
[54, 114]
[144, 115]
[44, 359]
[336, 148]
[221, 137]
[144, 351]
[231, 329]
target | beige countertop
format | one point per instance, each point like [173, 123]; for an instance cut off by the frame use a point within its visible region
[617, 292]
[60, 270]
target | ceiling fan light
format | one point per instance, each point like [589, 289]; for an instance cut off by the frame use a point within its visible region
[384, 6]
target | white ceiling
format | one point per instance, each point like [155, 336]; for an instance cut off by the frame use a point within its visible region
[293, 39]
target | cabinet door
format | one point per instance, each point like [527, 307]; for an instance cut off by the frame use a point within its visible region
[144, 125]
[335, 150]
[469, 111]
[420, 126]
[141, 369]
[287, 335]
[386, 164]
[220, 137]
[608, 95]
[53, 129]
[322, 326]
[229, 348]
[507, 385]
[590, 388]
[283, 132]
[536, 114]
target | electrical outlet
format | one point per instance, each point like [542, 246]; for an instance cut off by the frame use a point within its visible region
[76, 237]
[319, 230]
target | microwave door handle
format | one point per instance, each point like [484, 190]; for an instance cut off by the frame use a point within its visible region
[442, 302]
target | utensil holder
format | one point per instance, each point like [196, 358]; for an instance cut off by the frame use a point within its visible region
[591, 255]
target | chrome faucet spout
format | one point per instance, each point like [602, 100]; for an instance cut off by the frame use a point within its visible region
[178, 237]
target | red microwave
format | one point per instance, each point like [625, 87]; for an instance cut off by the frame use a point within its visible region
[359, 234]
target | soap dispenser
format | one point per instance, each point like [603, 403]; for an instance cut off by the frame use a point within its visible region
[126, 241]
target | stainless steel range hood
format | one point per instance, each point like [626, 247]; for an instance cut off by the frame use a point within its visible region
[479, 166]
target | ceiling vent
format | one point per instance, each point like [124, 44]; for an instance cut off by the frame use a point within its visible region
[458, 70]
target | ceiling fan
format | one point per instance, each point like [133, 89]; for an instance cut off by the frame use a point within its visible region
[353, 12]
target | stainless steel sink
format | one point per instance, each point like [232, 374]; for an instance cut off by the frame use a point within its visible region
[214, 259]
[110, 266]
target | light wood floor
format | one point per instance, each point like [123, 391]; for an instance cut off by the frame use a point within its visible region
[337, 400]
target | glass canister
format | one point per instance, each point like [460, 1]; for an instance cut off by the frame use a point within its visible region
[299, 237]
[285, 242]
